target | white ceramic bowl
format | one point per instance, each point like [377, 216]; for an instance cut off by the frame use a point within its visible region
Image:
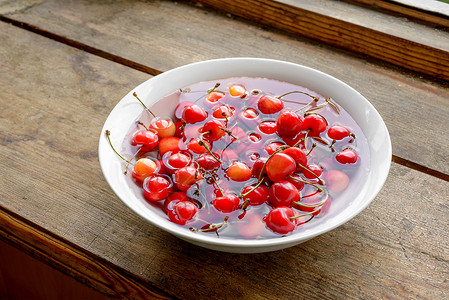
[128, 109]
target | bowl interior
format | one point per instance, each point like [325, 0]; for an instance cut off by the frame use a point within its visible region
[128, 109]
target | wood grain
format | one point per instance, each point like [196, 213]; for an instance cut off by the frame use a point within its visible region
[364, 38]
[55, 204]
[405, 102]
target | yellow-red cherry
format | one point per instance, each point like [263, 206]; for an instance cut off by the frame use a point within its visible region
[239, 171]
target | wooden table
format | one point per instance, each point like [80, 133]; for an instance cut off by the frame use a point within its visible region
[65, 64]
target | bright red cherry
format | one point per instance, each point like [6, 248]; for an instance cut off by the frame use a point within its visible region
[271, 148]
[337, 132]
[297, 181]
[185, 177]
[257, 167]
[156, 188]
[283, 193]
[250, 113]
[143, 168]
[347, 156]
[313, 171]
[174, 161]
[194, 146]
[288, 124]
[182, 212]
[215, 96]
[239, 171]
[214, 130]
[227, 203]
[146, 139]
[208, 162]
[267, 127]
[223, 112]
[257, 196]
[315, 124]
[279, 166]
[297, 154]
[269, 105]
[173, 199]
[280, 220]
[193, 114]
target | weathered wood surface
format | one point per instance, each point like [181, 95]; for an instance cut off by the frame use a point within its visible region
[164, 35]
[57, 206]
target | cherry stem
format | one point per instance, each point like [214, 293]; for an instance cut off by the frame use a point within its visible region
[279, 149]
[229, 132]
[310, 103]
[212, 227]
[213, 89]
[137, 97]
[141, 124]
[202, 143]
[108, 133]
[317, 107]
[308, 170]
[318, 204]
[333, 105]
[300, 92]
[306, 182]
[255, 187]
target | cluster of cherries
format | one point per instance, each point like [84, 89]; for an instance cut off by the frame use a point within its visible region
[218, 154]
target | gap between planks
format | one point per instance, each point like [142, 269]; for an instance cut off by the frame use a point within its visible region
[154, 72]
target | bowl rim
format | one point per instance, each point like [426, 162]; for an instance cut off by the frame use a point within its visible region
[186, 234]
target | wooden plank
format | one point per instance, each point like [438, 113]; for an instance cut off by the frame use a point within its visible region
[366, 32]
[432, 16]
[56, 204]
[163, 35]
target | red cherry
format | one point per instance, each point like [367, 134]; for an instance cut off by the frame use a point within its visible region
[174, 161]
[214, 130]
[194, 146]
[193, 114]
[269, 105]
[173, 199]
[267, 127]
[283, 193]
[185, 177]
[315, 124]
[294, 140]
[337, 132]
[347, 156]
[288, 124]
[223, 112]
[257, 167]
[180, 108]
[239, 171]
[226, 204]
[271, 148]
[297, 154]
[143, 168]
[179, 129]
[315, 169]
[250, 113]
[146, 139]
[257, 196]
[208, 162]
[299, 184]
[156, 188]
[182, 212]
[214, 96]
[279, 220]
[279, 166]
[169, 144]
